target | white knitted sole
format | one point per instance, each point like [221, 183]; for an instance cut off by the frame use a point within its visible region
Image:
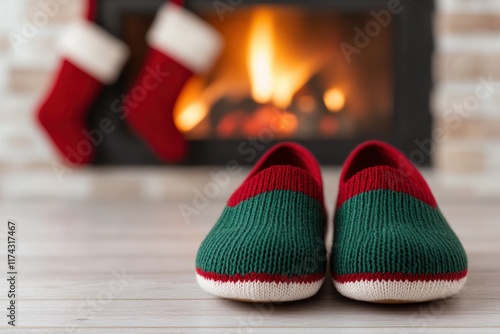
[399, 291]
[260, 291]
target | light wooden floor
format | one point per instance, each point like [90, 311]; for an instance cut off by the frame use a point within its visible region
[128, 267]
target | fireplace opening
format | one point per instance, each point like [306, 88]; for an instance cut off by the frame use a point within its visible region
[283, 65]
[289, 70]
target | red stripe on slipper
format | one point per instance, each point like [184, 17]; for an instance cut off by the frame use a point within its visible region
[375, 165]
[260, 277]
[388, 178]
[278, 178]
[348, 278]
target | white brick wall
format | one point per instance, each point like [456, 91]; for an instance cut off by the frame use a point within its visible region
[468, 48]
[468, 6]
[25, 74]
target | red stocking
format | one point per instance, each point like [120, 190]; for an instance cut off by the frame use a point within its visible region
[90, 58]
[180, 44]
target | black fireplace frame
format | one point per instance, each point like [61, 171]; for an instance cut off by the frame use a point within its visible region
[412, 120]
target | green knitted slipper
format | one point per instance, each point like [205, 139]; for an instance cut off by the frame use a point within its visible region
[268, 245]
[391, 242]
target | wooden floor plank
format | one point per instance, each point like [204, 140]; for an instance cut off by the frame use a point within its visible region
[224, 313]
[232, 330]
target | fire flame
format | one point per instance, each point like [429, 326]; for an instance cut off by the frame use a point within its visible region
[261, 56]
[193, 105]
[275, 73]
[191, 116]
[274, 76]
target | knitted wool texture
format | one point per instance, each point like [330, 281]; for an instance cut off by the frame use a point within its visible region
[268, 244]
[391, 242]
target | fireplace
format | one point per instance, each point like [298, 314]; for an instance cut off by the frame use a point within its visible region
[326, 74]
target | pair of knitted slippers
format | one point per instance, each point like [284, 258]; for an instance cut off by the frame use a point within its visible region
[391, 242]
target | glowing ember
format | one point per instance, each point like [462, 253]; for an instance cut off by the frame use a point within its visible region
[282, 124]
[334, 99]
[306, 104]
[329, 125]
[231, 124]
